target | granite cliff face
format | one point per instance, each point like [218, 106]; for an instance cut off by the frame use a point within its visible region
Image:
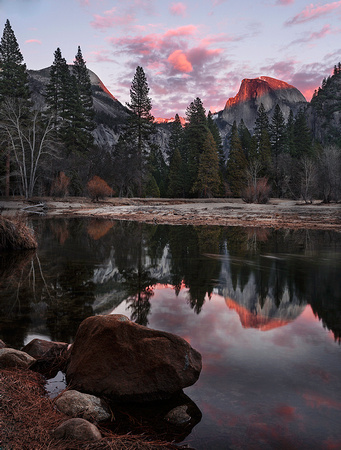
[252, 93]
[110, 113]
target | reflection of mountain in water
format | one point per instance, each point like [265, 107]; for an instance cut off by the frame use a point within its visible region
[109, 281]
[276, 308]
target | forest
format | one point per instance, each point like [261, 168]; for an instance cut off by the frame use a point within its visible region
[49, 148]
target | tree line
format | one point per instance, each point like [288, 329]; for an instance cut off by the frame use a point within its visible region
[49, 148]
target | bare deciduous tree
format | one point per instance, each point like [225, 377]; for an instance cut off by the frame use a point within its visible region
[29, 137]
[330, 173]
[308, 178]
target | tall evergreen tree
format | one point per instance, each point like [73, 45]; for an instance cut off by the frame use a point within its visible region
[236, 164]
[13, 84]
[81, 74]
[60, 91]
[263, 140]
[245, 137]
[13, 74]
[195, 133]
[176, 137]
[175, 177]
[290, 148]
[141, 123]
[208, 180]
[278, 144]
[302, 136]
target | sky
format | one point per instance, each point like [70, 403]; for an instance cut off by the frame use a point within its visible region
[188, 49]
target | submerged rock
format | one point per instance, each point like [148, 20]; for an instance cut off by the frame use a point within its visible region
[116, 358]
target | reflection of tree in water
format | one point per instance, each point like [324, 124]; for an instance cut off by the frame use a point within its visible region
[14, 301]
[189, 266]
[284, 266]
[139, 287]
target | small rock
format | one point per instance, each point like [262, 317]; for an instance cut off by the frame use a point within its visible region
[76, 404]
[77, 429]
[178, 416]
[2, 344]
[9, 357]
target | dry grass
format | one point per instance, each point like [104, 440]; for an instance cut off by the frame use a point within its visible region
[16, 235]
[27, 417]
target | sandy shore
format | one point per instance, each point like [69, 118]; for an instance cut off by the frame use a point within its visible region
[277, 213]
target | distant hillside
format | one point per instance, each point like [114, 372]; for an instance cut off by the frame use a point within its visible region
[324, 112]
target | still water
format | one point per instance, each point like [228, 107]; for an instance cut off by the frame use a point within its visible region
[263, 307]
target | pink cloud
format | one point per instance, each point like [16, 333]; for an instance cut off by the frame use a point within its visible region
[325, 31]
[312, 12]
[33, 41]
[187, 30]
[180, 62]
[178, 9]
[285, 2]
[110, 19]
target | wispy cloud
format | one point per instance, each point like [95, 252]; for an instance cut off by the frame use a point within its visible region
[316, 35]
[111, 18]
[312, 12]
[285, 2]
[32, 41]
[178, 9]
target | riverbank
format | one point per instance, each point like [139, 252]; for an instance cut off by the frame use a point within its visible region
[278, 213]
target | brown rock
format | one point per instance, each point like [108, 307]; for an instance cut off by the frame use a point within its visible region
[77, 429]
[2, 344]
[9, 357]
[116, 358]
[37, 347]
[50, 356]
[76, 404]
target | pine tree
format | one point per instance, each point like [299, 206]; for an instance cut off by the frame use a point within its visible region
[175, 177]
[236, 164]
[208, 180]
[278, 144]
[290, 147]
[176, 138]
[302, 136]
[263, 140]
[13, 83]
[13, 74]
[86, 116]
[60, 91]
[141, 126]
[196, 131]
[245, 137]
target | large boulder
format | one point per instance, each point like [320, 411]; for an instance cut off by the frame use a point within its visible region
[121, 360]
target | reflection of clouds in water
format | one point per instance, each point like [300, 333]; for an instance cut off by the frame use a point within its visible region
[264, 384]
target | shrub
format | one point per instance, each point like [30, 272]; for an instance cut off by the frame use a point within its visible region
[258, 193]
[60, 185]
[98, 188]
[16, 235]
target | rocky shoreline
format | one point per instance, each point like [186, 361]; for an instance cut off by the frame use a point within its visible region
[108, 382]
